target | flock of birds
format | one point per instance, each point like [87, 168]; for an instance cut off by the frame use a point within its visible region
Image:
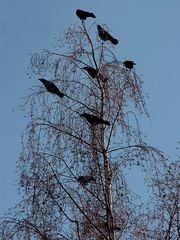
[93, 73]
[104, 36]
[52, 88]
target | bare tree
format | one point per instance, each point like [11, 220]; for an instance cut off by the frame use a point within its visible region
[77, 145]
[161, 219]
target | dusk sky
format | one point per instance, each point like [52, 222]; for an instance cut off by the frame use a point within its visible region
[148, 33]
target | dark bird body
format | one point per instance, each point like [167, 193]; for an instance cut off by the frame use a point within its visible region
[94, 73]
[92, 119]
[129, 64]
[84, 180]
[83, 14]
[91, 71]
[51, 87]
[105, 36]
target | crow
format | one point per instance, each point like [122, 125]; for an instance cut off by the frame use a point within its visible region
[91, 71]
[84, 180]
[94, 73]
[83, 14]
[92, 119]
[129, 64]
[105, 36]
[116, 228]
[51, 87]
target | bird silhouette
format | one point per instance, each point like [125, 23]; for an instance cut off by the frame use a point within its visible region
[83, 14]
[105, 36]
[51, 87]
[129, 64]
[84, 180]
[94, 73]
[91, 71]
[92, 119]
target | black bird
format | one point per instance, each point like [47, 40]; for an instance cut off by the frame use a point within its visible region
[116, 228]
[51, 87]
[92, 119]
[129, 64]
[94, 73]
[84, 180]
[105, 36]
[91, 71]
[83, 14]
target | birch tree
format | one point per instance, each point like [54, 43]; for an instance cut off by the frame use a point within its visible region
[77, 146]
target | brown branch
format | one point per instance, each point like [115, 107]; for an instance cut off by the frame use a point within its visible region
[88, 190]
[76, 204]
[49, 124]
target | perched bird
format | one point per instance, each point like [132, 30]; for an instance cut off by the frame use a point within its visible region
[116, 228]
[51, 87]
[94, 73]
[105, 36]
[83, 14]
[91, 71]
[84, 180]
[129, 64]
[92, 119]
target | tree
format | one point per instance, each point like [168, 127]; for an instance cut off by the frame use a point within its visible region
[161, 220]
[71, 171]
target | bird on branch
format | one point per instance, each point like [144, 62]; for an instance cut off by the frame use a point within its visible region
[84, 180]
[92, 119]
[94, 73]
[91, 71]
[129, 64]
[105, 36]
[51, 87]
[83, 14]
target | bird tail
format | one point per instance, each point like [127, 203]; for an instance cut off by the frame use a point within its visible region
[106, 122]
[114, 41]
[92, 15]
[60, 94]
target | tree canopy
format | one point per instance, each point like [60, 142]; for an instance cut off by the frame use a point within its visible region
[79, 142]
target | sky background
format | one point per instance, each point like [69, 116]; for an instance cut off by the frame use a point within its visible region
[149, 34]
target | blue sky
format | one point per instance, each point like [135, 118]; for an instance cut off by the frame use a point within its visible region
[149, 34]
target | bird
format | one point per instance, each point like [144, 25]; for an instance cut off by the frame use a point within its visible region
[129, 64]
[94, 73]
[105, 36]
[91, 71]
[51, 87]
[116, 228]
[84, 180]
[92, 119]
[83, 14]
